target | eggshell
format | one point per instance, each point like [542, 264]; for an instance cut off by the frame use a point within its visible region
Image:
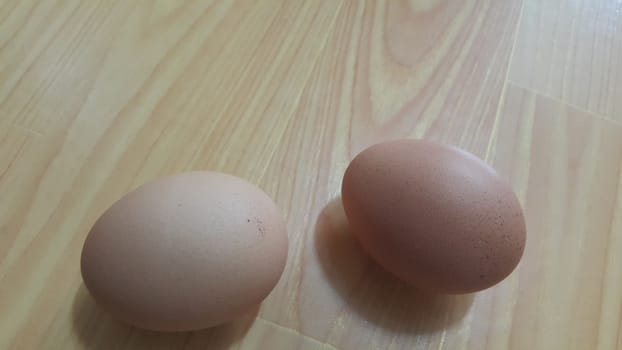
[434, 215]
[185, 252]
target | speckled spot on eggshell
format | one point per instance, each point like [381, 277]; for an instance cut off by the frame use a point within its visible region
[434, 215]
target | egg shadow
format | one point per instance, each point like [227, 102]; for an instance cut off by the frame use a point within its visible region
[373, 293]
[95, 329]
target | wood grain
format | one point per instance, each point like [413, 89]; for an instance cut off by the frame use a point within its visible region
[571, 50]
[361, 93]
[143, 113]
[566, 167]
[98, 97]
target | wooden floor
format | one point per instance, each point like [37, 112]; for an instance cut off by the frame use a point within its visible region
[99, 96]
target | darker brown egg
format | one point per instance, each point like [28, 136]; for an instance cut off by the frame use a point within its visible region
[434, 215]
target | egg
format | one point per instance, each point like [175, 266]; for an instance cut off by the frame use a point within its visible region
[435, 216]
[186, 252]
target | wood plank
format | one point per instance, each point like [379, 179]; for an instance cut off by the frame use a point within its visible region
[102, 96]
[566, 166]
[373, 83]
[571, 50]
[187, 87]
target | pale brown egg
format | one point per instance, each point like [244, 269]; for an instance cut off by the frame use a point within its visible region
[434, 215]
[185, 252]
